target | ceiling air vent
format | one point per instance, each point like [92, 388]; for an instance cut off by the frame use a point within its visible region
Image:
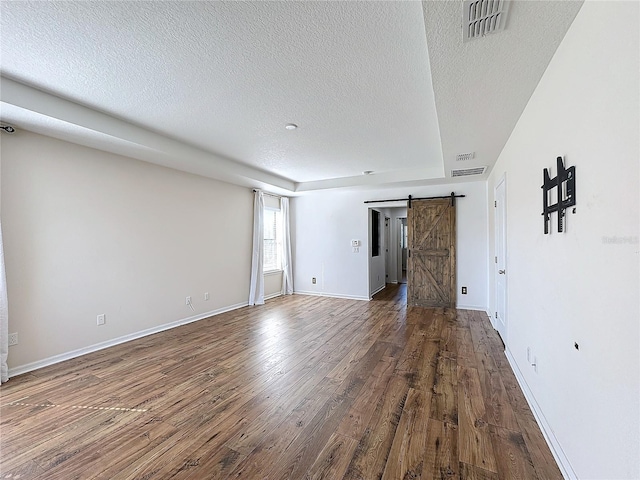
[463, 157]
[465, 172]
[482, 17]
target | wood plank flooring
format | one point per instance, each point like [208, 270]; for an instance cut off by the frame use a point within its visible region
[302, 387]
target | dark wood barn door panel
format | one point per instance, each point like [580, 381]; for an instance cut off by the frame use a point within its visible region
[432, 253]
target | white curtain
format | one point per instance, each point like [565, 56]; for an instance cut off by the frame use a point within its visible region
[287, 267]
[256, 291]
[4, 318]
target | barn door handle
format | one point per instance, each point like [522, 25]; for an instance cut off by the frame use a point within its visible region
[501, 272]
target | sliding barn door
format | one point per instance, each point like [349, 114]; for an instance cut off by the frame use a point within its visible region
[431, 266]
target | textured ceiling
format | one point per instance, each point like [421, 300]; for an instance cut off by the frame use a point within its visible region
[210, 85]
[483, 85]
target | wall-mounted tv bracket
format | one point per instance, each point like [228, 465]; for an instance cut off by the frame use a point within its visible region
[565, 184]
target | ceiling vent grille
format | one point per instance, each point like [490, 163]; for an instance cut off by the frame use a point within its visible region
[463, 157]
[482, 17]
[465, 172]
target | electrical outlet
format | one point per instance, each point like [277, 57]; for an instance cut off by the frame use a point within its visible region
[535, 364]
[13, 339]
[464, 290]
[206, 295]
[102, 319]
[188, 301]
[313, 280]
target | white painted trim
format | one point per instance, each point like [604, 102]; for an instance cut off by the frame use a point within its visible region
[502, 181]
[491, 319]
[331, 295]
[554, 445]
[377, 291]
[29, 367]
[471, 307]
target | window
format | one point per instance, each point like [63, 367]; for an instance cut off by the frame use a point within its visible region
[272, 240]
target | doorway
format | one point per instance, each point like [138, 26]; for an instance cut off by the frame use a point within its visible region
[403, 246]
[385, 252]
[501, 258]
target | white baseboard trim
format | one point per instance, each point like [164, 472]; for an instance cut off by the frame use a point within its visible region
[561, 459]
[472, 307]
[377, 291]
[332, 295]
[29, 367]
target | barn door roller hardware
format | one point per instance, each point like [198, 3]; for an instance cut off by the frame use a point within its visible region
[565, 184]
[453, 197]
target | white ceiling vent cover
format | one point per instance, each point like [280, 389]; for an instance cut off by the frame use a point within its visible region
[463, 157]
[482, 17]
[465, 172]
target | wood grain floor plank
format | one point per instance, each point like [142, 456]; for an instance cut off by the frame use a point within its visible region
[357, 418]
[512, 456]
[538, 449]
[370, 457]
[269, 452]
[475, 443]
[409, 442]
[497, 404]
[441, 453]
[444, 403]
[333, 460]
[470, 472]
[302, 453]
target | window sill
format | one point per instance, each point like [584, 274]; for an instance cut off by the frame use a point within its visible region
[272, 272]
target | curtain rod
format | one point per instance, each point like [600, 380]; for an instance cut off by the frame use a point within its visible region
[268, 194]
[453, 196]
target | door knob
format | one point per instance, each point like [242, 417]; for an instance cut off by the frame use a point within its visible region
[501, 272]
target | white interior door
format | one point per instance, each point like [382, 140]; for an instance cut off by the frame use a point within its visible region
[501, 259]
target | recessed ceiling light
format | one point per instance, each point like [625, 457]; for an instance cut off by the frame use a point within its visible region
[367, 172]
[291, 126]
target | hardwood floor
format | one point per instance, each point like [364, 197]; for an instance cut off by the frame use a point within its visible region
[303, 387]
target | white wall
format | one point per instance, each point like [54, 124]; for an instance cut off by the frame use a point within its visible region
[582, 285]
[272, 284]
[325, 223]
[88, 232]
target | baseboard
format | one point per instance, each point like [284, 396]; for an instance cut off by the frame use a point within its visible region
[378, 290]
[332, 295]
[561, 459]
[471, 307]
[29, 367]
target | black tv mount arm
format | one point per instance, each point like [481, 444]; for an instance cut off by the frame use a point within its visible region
[565, 183]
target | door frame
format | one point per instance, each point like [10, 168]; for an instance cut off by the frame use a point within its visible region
[387, 249]
[500, 225]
